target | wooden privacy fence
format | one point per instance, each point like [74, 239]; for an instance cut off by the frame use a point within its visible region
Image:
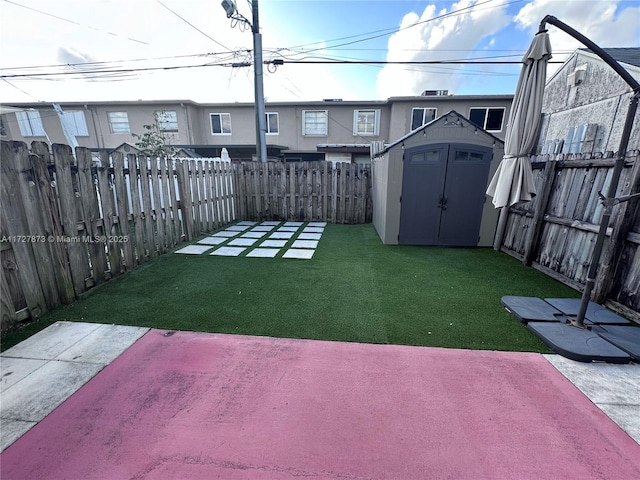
[69, 223]
[557, 231]
[308, 191]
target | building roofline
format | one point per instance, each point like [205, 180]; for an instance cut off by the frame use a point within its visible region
[313, 103]
[444, 98]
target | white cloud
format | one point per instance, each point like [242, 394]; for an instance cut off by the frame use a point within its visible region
[432, 39]
[608, 23]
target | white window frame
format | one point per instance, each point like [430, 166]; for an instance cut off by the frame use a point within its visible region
[76, 121]
[220, 115]
[326, 123]
[357, 131]
[268, 130]
[424, 112]
[486, 117]
[30, 123]
[111, 116]
[167, 120]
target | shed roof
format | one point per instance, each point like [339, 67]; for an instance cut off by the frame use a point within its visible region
[456, 118]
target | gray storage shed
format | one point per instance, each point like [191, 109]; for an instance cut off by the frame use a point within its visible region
[429, 186]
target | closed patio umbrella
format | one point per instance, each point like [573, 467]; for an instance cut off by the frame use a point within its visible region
[513, 181]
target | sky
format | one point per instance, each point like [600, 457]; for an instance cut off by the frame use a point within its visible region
[108, 50]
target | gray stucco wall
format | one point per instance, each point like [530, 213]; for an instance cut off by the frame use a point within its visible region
[601, 98]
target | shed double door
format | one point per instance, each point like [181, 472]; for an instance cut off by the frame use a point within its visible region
[443, 194]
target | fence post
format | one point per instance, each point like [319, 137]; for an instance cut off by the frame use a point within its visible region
[15, 224]
[91, 213]
[52, 223]
[182, 170]
[146, 205]
[27, 184]
[624, 218]
[78, 259]
[136, 208]
[542, 200]
[123, 209]
[109, 213]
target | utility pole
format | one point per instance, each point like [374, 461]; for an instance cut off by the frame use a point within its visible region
[261, 118]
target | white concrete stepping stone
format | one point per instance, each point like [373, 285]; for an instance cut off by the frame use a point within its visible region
[228, 251]
[237, 228]
[304, 254]
[253, 235]
[281, 235]
[247, 223]
[194, 249]
[225, 233]
[270, 223]
[242, 242]
[293, 224]
[263, 252]
[274, 243]
[305, 244]
[309, 236]
[212, 240]
[317, 224]
[313, 230]
[287, 229]
[262, 228]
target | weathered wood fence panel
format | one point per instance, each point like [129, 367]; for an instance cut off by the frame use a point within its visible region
[303, 191]
[69, 221]
[556, 232]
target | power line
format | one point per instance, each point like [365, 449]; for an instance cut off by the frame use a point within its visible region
[125, 70]
[390, 31]
[74, 22]
[279, 61]
[193, 26]
[19, 89]
[108, 62]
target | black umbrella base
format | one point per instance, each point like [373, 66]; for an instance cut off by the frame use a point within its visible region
[606, 337]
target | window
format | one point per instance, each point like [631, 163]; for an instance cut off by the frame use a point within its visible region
[421, 116]
[30, 123]
[488, 118]
[366, 122]
[76, 122]
[119, 122]
[463, 156]
[315, 122]
[220, 124]
[272, 123]
[167, 121]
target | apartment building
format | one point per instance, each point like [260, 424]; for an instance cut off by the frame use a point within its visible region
[330, 129]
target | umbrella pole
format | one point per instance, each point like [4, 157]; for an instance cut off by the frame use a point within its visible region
[609, 201]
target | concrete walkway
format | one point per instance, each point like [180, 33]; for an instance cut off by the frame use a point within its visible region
[200, 406]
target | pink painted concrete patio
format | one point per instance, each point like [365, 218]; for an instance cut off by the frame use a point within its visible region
[201, 406]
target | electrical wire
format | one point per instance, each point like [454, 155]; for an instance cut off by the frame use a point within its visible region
[194, 27]
[390, 31]
[74, 22]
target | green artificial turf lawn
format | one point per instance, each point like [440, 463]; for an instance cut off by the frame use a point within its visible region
[354, 289]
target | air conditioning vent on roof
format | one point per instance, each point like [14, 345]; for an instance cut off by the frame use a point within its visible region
[435, 93]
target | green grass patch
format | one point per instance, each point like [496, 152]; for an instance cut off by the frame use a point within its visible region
[354, 289]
